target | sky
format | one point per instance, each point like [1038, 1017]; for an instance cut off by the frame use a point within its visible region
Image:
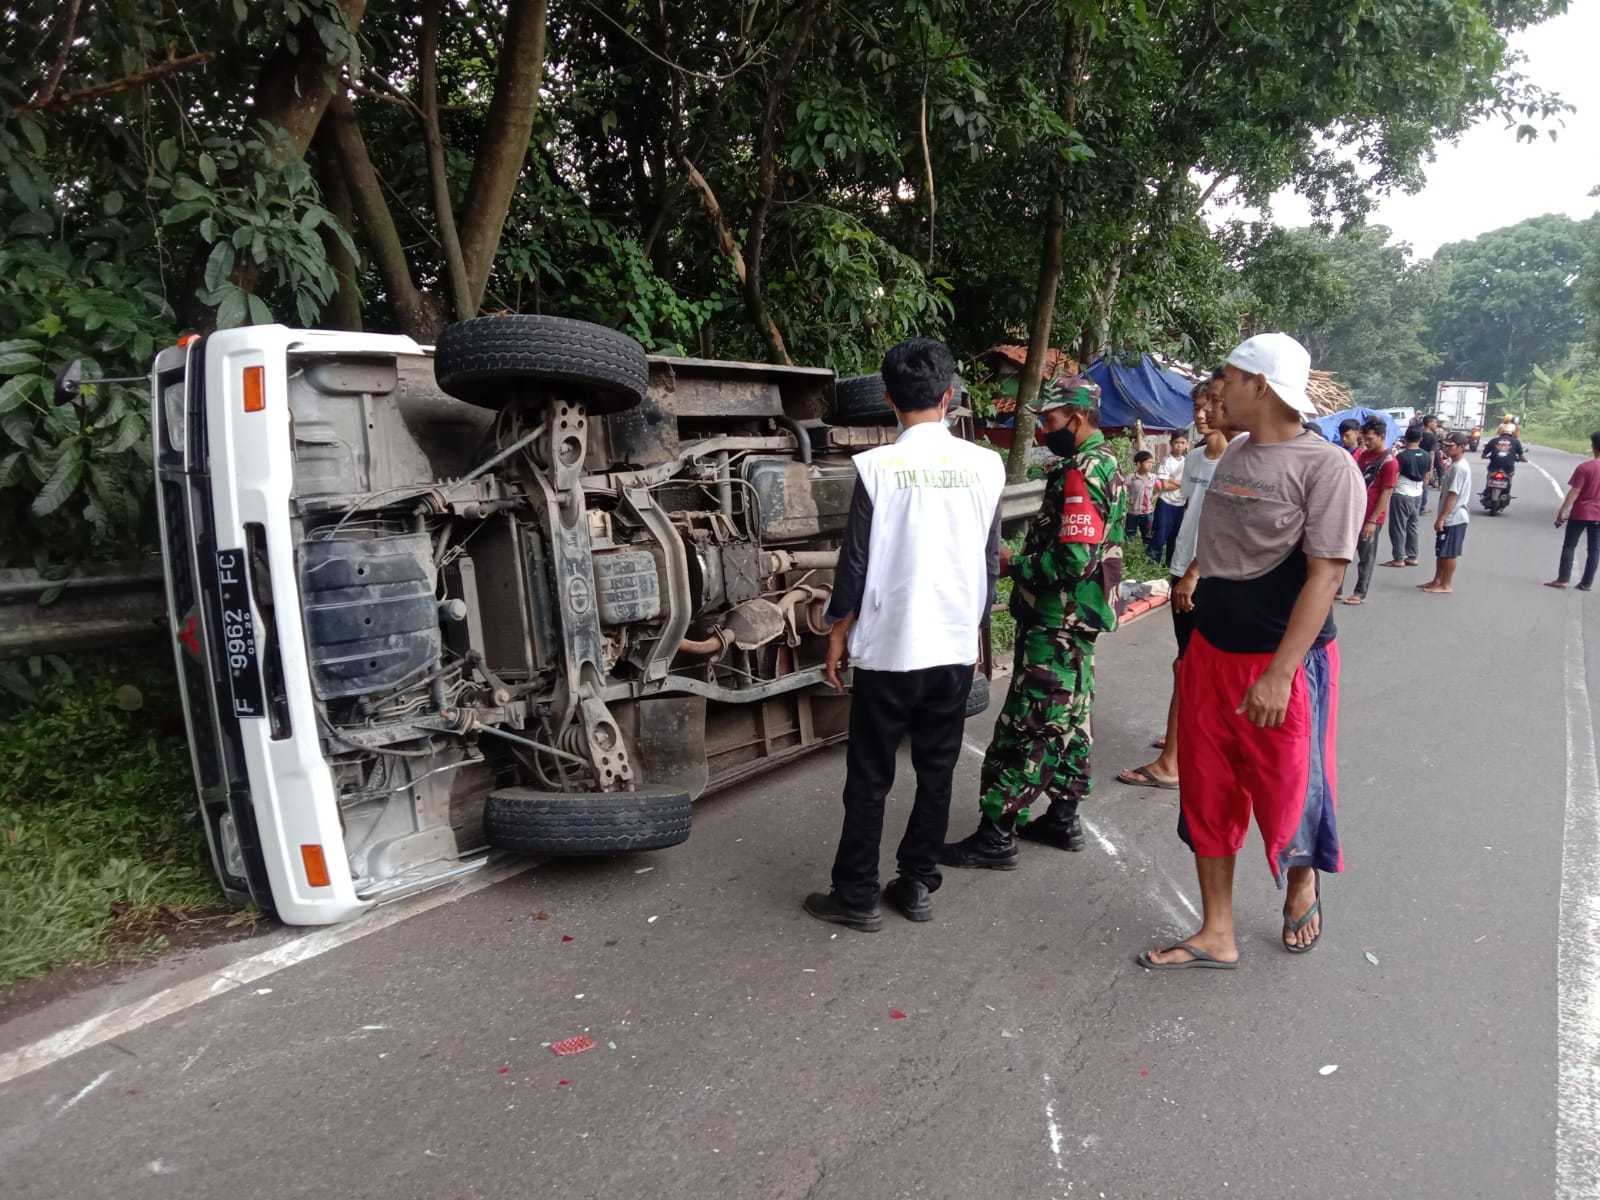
[1488, 179]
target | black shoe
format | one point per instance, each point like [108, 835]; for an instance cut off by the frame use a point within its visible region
[1059, 827]
[825, 906]
[909, 898]
[994, 846]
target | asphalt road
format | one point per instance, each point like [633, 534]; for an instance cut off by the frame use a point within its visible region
[745, 1050]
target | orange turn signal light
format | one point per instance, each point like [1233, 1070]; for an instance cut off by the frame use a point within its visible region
[255, 389]
[316, 864]
[188, 340]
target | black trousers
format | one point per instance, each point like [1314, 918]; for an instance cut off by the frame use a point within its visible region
[1580, 531]
[930, 705]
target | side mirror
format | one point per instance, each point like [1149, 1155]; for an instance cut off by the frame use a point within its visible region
[69, 382]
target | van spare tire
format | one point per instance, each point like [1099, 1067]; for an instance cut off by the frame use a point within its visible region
[526, 821]
[493, 361]
[978, 697]
[859, 401]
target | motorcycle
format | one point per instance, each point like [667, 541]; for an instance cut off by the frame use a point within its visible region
[1496, 493]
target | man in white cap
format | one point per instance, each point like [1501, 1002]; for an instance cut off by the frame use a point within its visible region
[1259, 683]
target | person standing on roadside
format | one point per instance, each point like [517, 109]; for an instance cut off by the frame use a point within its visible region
[1064, 595]
[1143, 485]
[1430, 447]
[1405, 506]
[911, 595]
[1199, 467]
[1258, 688]
[1381, 471]
[1169, 501]
[1350, 435]
[1582, 505]
[1450, 529]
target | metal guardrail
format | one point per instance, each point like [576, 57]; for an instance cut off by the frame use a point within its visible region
[93, 610]
[1021, 500]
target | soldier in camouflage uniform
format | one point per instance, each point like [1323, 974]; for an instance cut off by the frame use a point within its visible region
[1063, 596]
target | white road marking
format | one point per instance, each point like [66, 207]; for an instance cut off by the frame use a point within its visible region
[1051, 1125]
[1561, 492]
[1105, 842]
[97, 1030]
[86, 1089]
[1578, 942]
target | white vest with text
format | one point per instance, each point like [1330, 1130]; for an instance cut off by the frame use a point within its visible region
[934, 499]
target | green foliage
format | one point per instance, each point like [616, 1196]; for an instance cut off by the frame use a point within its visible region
[92, 833]
[1510, 301]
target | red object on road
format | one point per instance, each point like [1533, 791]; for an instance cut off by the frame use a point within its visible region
[897, 1014]
[572, 1045]
[566, 937]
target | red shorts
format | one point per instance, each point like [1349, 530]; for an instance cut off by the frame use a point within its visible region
[1231, 768]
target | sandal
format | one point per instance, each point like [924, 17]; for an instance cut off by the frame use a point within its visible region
[1555, 583]
[1355, 600]
[1290, 925]
[1143, 777]
[1200, 959]
[1393, 562]
[1411, 562]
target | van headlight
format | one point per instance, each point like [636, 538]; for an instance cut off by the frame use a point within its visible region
[172, 399]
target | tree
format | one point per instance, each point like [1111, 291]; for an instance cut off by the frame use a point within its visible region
[1510, 301]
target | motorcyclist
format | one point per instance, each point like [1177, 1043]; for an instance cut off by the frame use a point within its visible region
[1504, 452]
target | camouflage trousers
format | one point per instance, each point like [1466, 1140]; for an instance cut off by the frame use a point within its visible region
[1040, 749]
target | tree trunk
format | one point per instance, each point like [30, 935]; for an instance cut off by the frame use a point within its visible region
[463, 299]
[417, 314]
[343, 311]
[296, 85]
[1044, 300]
[292, 93]
[729, 246]
[1039, 327]
[504, 144]
[755, 300]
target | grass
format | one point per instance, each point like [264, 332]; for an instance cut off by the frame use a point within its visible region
[96, 847]
[1573, 445]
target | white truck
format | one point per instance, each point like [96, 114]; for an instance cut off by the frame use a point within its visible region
[1461, 406]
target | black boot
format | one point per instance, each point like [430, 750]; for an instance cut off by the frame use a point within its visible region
[826, 906]
[909, 898]
[994, 846]
[1059, 827]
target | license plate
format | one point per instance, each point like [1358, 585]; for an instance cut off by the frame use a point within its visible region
[239, 635]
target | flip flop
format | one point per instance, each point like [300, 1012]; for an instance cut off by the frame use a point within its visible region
[1200, 959]
[1394, 562]
[1141, 777]
[1355, 599]
[1159, 744]
[1294, 926]
[1555, 583]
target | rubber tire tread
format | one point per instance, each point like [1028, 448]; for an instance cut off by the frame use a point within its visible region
[546, 823]
[859, 400]
[978, 697]
[475, 360]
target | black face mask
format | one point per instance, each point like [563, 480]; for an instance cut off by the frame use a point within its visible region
[1061, 443]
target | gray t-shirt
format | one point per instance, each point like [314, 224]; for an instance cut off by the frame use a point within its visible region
[1458, 483]
[1267, 501]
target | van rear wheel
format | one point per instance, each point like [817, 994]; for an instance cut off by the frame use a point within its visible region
[526, 821]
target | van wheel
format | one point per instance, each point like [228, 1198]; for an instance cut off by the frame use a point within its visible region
[525, 821]
[490, 361]
[978, 697]
[859, 401]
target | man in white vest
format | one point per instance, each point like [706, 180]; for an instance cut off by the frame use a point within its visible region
[910, 601]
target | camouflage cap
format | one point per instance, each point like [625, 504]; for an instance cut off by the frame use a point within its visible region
[1079, 390]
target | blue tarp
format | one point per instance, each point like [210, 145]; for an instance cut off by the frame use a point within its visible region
[1329, 425]
[1137, 389]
